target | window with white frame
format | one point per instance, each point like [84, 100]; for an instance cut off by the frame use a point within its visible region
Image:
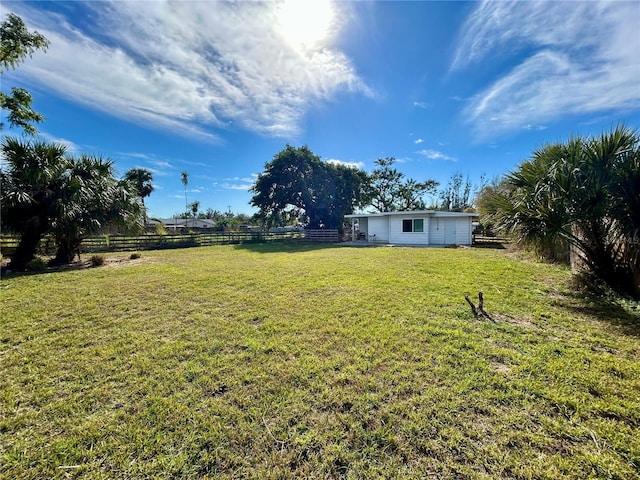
[412, 225]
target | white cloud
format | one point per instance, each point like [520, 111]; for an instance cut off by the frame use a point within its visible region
[72, 148]
[421, 104]
[190, 67]
[162, 164]
[581, 58]
[436, 155]
[356, 165]
[235, 186]
[418, 141]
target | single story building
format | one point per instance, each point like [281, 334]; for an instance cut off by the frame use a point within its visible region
[183, 223]
[420, 227]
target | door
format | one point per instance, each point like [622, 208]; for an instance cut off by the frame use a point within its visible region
[449, 231]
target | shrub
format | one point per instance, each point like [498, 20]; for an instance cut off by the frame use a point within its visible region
[36, 265]
[97, 260]
[160, 229]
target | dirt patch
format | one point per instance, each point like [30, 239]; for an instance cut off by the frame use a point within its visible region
[520, 322]
[500, 367]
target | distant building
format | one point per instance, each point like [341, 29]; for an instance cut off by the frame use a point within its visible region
[178, 224]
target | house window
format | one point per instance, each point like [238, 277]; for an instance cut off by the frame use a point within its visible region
[415, 225]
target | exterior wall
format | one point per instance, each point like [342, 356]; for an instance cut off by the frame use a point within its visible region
[378, 226]
[397, 236]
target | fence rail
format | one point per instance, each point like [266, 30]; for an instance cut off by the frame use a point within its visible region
[116, 243]
[321, 235]
[489, 240]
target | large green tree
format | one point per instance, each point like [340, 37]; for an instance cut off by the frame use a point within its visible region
[584, 193]
[392, 191]
[46, 192]
[297, 184]
[17, 43]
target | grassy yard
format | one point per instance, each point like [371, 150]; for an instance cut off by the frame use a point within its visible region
[286, 361]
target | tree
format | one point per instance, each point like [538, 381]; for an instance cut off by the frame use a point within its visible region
[88, 199]
[456, 197]
[390, 191]
[585, 193]
[195, 207]
[212, 214]
[142, 181]
[297, 185]
[185, 181]
[17, 43]
[29, 182]
[46, 192]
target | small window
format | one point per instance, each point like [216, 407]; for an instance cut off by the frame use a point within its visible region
[415, 225]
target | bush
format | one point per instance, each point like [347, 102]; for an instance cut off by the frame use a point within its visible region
[36, 265]
[97, 260]
[160, 229]
[134, 256]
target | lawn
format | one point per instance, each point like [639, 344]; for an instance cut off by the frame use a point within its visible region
[285, 361]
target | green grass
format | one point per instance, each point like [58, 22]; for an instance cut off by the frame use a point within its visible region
[281, 361]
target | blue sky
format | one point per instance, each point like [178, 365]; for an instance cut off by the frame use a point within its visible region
[217, 89]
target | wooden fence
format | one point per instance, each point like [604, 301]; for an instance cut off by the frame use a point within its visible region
[119, 243]
[489, 240]
[321, 235]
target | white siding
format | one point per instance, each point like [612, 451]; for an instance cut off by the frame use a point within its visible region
[397, 236]
[378, 226]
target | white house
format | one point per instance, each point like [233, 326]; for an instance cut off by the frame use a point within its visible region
[421, 227]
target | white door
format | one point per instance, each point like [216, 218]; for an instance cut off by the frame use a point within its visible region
[449, 231]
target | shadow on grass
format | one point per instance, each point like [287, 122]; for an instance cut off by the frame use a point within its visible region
[614, 311]
[82, 264]
[490, 245]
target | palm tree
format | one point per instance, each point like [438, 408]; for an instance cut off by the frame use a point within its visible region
[45, 192]
[195, 207]
[584, 193]
[141, 179]
[88, 199]
[29, 185]
[185, 182]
